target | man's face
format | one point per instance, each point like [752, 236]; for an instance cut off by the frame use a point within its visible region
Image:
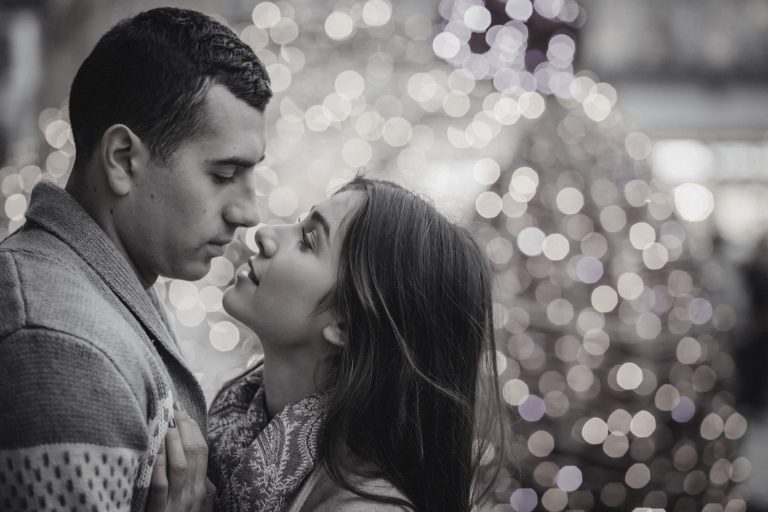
[184, 213]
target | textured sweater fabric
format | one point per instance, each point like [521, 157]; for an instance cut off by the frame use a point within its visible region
[89, 368]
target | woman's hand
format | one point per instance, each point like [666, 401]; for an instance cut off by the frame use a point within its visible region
[179, 478]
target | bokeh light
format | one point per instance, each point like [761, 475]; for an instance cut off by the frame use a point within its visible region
[613, 336]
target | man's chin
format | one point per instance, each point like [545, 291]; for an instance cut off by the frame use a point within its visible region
[193, 271]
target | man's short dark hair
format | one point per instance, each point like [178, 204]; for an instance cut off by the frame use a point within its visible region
[152, 72]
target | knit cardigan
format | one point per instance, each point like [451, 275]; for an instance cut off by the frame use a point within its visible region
[89, 367]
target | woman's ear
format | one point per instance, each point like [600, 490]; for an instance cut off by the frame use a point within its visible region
[335, 335]
[123, 156]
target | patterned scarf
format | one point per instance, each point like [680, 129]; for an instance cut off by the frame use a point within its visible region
[259, 464]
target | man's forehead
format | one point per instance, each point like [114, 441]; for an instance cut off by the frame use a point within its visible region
[236, 129]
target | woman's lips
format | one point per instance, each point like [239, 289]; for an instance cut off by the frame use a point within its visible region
[252, 274]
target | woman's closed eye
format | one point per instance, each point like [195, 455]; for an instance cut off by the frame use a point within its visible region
[308, 239]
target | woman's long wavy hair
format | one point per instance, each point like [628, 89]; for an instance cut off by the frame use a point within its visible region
[414, 392]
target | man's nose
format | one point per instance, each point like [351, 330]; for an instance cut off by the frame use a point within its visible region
[244, 210]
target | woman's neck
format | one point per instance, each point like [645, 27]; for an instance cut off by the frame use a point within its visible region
[289, 377]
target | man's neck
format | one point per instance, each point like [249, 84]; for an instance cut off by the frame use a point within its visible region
[91, 203]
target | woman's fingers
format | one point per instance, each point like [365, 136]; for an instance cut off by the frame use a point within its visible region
[176, 462]
[210, 496]
[196, 453]
[158, 484]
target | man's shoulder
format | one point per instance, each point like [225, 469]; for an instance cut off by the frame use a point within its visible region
[45, 286]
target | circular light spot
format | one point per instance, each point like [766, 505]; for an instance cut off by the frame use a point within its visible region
[265, 14]
[637, 476]
[280, 77]
[532, 408]
[210, 298]
[594, 431]
[693, 202]
[397, 131]
[500, 250]
[589, 270]
[684, 411]
[569, 478]
[524, 500]
[638, 145]
[486, 171]
[356, 152]
[477, 18]
[570, 200]
[446, 45]
[559, 312]
[613, 218]
[16, 206]
[456, 104]
[699, 311]
[643, 424]
[191, 317]
[655, 256]
[629, 376]
[580, 378]
[541, 443]
[531, 105]
[224, 336]
[350, 84]
[735, 426]
[530, 240]
[339, 25]
[741, 469]
[284, 31]
[422, 87]
[712, 427]
[637, 192]
[515, 391]
[554, 500]
[488, 205]
[519, 9]
[667, 397]
[555, 247]
[283, 201]
[183, 294]
[377, 12]
[604, 299]
[648, 326]
[616, 445]
[221, 271]
[642, 235]
[688, 350]
[619, 421]
[597, 107]
[630, 285]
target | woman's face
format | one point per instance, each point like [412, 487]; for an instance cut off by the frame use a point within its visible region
[297, 265]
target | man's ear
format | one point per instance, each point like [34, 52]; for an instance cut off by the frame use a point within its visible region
[335, 335]
[123, 157]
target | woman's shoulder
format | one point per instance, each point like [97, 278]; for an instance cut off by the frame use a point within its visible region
[321, 494]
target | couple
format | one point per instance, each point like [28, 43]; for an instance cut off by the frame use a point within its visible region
[374, 312]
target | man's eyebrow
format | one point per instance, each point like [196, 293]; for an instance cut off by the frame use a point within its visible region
[236, 161]
[318, 217]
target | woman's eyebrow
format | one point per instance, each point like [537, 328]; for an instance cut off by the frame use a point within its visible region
[320, 219]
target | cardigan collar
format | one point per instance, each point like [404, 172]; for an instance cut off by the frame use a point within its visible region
[56, 211]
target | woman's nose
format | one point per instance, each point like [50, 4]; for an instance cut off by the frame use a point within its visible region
[266, 241]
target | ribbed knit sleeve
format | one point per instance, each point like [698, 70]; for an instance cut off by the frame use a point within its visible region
[73, 433]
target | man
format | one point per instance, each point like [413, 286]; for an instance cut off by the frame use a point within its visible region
[167, 117]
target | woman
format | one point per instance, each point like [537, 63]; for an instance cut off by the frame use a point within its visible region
[375, 317]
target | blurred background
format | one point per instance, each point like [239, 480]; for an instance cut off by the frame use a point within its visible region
[611, 157]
